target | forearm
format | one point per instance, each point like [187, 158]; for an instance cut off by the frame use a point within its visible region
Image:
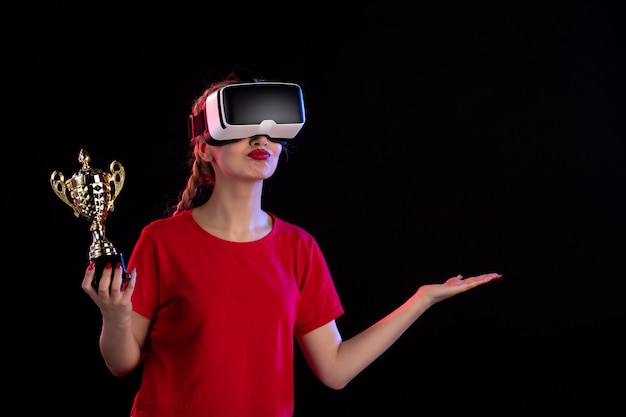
[120, 350]
[355, 354]
[358, 352]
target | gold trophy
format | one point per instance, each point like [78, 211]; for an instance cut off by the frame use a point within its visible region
[90, 193]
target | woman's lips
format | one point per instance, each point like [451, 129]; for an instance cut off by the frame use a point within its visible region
[259, 154]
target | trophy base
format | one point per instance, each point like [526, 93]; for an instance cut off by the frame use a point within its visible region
[102, 261]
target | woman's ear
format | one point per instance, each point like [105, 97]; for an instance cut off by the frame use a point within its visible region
[205, 151]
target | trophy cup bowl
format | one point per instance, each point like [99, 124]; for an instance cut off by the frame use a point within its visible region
[91, 194]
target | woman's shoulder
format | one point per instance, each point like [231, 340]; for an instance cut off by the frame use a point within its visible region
[284, 226]
[169, 224]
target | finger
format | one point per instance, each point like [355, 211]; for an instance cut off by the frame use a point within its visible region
[133, 279]
[484, 278]
[116, 282]
[492, 276]
[454, 279]
[88, 278]
[105, 279]
[130, 284]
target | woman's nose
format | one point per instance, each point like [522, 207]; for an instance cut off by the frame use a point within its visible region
[260, 140]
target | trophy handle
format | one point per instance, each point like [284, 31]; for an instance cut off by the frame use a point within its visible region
[57, 180]
[118, 176]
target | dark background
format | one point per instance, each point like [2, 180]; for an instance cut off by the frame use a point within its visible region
[460, 137]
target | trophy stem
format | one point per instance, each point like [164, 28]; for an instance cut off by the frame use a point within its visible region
[100, 245]
[102, 252]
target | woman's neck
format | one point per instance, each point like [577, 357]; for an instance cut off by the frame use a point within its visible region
[234, 214]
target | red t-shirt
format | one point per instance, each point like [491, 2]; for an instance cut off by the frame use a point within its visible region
[224, 315]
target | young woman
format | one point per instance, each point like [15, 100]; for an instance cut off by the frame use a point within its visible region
[219, 290]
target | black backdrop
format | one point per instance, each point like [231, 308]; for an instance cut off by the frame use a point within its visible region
[440, 139]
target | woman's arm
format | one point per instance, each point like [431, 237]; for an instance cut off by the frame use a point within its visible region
[336, 362]
[123, 331]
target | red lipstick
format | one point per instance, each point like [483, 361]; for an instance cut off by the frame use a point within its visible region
[259, 154]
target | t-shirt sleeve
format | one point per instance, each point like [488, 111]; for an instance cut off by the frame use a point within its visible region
[319, 301]
[145, 297]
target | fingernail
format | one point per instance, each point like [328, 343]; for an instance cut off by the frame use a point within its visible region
[91, 265]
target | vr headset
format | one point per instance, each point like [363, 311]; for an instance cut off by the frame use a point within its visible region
[238, 111]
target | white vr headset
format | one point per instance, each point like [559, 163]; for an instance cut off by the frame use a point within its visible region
[238, 111]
